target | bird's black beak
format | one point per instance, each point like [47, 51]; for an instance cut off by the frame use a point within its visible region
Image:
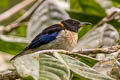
[84, 23]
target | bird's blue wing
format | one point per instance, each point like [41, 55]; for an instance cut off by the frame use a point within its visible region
[46, 36]
[42, 39]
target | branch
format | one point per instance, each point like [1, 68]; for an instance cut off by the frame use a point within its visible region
[26, 16]
[108, 18]
[114, 50]
[99, 50]
[13, 39]
[83, 51]
[15, 24]
[15, 9]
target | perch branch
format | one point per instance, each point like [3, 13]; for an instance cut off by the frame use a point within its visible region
[84, 51]
[15, 9]
[114, 49]
[99, 50]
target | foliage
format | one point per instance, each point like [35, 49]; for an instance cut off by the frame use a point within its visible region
[12, 48]
[90, 11]
[61, 66]
[80, 10]
[58, 67]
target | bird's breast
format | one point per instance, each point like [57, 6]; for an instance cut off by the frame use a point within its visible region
[66, 40]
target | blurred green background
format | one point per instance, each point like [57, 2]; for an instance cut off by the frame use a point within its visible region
[12, 48]
[83, 10]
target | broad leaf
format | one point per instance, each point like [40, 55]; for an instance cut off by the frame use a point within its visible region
[41, 67]
[85, 17]
[109, 66]
[105, 35]
[87, 6]
[116, 3]
[85, 59]
[81, 70]
[52, 69]
[47, 14]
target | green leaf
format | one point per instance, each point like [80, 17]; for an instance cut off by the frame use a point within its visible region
[28, 78]
[80, 69]
[41, 67]
[87, 6]
[4, 4]
[116, 3]
[105, 35]
[11, 48]
[76, 78]
[7, 4]
[85, 59]
[116, 24]
[49, 13]
[20, 31]
[83, 31]
[52, 69]
[85, 17]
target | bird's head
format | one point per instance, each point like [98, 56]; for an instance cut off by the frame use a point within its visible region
[72, 25]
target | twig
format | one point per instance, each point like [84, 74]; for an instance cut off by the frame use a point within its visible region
[26, 16]
[13, 39]
[99, 50]
[16, 24]
[84, 51]
[15, 9]
[108, 18]
[114, 49]
[104, 20]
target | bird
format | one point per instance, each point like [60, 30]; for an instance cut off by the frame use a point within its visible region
[63, 35]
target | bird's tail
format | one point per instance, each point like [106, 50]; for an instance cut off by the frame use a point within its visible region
[18, 55]
[13, 57]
